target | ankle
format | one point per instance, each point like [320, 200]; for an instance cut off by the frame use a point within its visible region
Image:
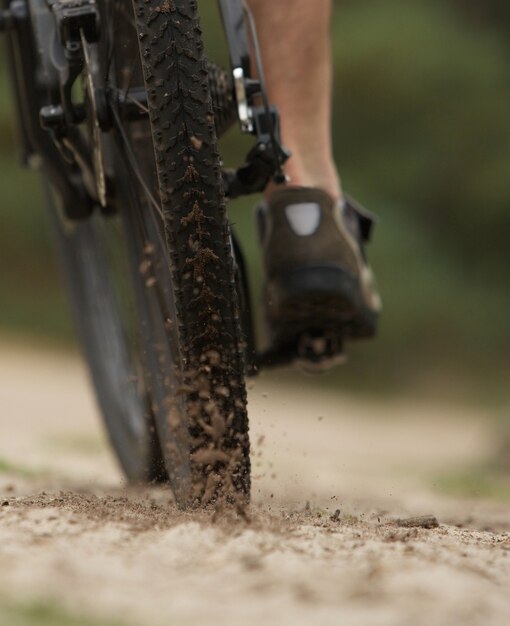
[325, 178]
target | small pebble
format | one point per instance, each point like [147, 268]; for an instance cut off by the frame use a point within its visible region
[424, 521]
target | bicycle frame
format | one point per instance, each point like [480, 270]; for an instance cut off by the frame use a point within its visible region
[48, 120]
[67, 164]
[38, 148]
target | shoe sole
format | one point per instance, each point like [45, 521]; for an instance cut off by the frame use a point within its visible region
[317, 301]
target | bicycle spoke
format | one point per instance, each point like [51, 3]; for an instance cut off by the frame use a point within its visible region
[134, 165]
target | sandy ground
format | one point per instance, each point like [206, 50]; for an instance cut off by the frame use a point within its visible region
[75, 541]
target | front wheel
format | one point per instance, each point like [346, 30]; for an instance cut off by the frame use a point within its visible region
[193, 344]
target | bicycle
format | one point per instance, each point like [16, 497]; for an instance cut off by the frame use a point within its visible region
[120, 111]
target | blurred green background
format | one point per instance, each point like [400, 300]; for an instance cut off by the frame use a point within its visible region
[422, 137]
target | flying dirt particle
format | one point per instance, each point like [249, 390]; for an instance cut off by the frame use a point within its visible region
[150, 282]
[5, 503]
[320, 418]
[336, 516]
[261, 440]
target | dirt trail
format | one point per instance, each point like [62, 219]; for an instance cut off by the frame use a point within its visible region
[74, 538]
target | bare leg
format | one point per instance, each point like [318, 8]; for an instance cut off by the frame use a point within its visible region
[295, 41]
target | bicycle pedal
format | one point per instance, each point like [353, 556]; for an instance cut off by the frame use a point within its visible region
[320, 352]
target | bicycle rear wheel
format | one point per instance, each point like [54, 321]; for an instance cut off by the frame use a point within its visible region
[192, 344]
[100, 270]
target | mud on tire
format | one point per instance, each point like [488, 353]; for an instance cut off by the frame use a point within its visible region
[208, 393]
